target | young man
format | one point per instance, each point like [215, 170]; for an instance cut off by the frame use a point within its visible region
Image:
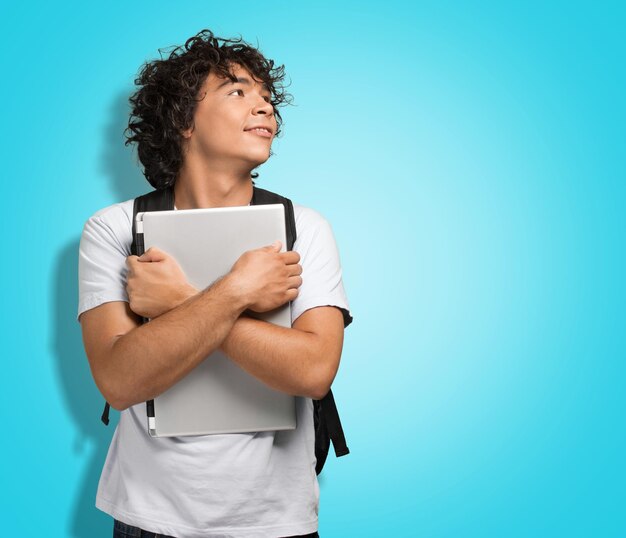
[203, 119]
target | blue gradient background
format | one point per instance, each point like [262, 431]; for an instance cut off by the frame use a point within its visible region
[470, 158]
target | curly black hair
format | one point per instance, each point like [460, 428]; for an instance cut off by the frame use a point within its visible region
[165, 102]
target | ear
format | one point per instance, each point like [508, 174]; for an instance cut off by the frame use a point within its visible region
[187, 132]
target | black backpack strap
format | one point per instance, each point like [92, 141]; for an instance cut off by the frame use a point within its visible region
[333, 424]
[322, 439]
[159, 200]
[105, 413]
[327, 429]
[263, 197]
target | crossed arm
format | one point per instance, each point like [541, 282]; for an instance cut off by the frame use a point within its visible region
[132, 363]
[302, 360]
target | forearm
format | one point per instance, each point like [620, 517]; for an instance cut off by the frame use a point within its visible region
[288, 360]
[151, 358]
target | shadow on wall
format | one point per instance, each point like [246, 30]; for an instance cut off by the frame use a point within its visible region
[120, 164]
[83, 401]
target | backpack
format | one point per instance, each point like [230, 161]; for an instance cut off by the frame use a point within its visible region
[325, 416]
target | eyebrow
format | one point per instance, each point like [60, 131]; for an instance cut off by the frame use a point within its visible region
[242, 80]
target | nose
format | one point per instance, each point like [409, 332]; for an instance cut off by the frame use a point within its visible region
[263, 107]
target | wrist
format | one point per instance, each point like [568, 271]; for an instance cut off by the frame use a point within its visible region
[242, 323]
[235, 293]
[183, 294]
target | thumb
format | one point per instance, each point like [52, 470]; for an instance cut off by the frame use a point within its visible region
[153, 254]
[275, 246]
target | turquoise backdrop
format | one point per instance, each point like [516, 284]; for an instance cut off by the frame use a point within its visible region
[470, 157]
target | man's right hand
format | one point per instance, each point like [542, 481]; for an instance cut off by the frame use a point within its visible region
[267, 278]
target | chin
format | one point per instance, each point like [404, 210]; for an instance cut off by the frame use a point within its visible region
[260, 158]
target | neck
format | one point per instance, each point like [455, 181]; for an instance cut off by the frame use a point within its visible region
[208, 186]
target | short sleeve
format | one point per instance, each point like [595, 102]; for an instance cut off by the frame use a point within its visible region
[322, 283]
[104, 247]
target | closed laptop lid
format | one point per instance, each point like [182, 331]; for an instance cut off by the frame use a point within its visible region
[218, 396]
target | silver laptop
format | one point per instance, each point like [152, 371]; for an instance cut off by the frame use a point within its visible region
[217, 396]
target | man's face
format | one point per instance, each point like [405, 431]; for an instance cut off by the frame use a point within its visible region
[224, 118]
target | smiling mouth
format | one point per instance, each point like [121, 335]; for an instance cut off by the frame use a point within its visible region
[260, 132]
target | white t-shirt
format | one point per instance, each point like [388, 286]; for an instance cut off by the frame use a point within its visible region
[235, 485]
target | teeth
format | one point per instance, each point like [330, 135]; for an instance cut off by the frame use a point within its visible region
[258, 129]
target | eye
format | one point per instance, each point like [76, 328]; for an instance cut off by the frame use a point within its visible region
[240, 90]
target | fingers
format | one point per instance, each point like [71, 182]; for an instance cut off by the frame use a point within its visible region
[294, 282]
[290, 257]
[292, 293]
[274, 247]
[153, 254]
